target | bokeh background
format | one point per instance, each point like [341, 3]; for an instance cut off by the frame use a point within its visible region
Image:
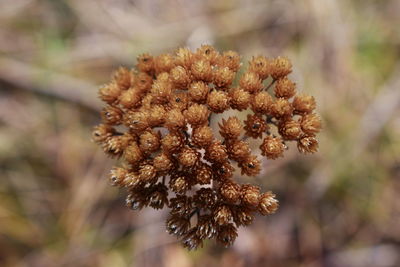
[339, 207]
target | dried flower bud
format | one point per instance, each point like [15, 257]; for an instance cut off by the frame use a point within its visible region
[158, 197]
[280, 67]
[177, 225]
[230, 191]
[243, 216]
[184, 57]
[163, 163]
[311, 123]
[223, 77]
[181, 205]
[133, 154]
[109, 93]
[123, 78]
[130, 98]
[208, 53]
[262, 103]
[303, 104]
[218, 101]
[240, 99]
[260, 65]
[223, 215]
[156, 115]
[250, 166]
[272, 147]
[161, 92]
[285, 88]
[238, 150]
[180, 77]
[197, 114]
[290, 129]
[147, 173]
[226, 234]
[222, 171]
[145, 63]
[117, 176]
[164, 63]
[174, 120]
[268, 204]
[202, 136]
[281, 108]
[179, 183]
[255, 126]
[149, 141]
[172, 143]
[216, 152]
[250, 195]
[206, 227]
[230, 128]
[191, 240]
[251, 82]
[198, 91]
[205, 198]
[137, 121]
[143, 82]
[179, 100]
[202, 70]
[229, 59]
[307, 144]
[115, 145]
[188, 157]
[102, 132]
[136, 200]
[204, 174]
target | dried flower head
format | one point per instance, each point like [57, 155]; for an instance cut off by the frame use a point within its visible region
[172, 156]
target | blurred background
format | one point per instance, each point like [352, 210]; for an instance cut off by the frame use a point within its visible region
[339, 207]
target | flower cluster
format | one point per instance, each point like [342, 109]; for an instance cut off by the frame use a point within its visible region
[157, 119]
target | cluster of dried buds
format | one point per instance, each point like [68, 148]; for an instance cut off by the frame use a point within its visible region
[157, 118]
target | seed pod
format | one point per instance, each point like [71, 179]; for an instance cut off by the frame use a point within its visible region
[130, 98]
[239, 99]
[281, 108]
[198, 91]
[123, 78]
[222, 171]
[163, 163]
[203, 174]
[250, 195]
[158, 197]
[307, 144]
[181, 205]
[250, 166]
[261, 66]
[179, 183]
[230, 128]
[218, 101]
[109, 93]
[222, 215]
[172, 143]
[149, 141]
[174, 120]
[156, 115]
[255, 126]
[117, 176]
[285, 88]
[137, 121]
[161, 92]
[262, 103]
[202, 70]
[303, 104]
[164, 63]
[311, 123]
[179, 100]
[242, 216]
[202, 136]
[207, 53]
[268, 204]
[191, 240]
[272, 147]
[197, 114]
[223, 77]
[180, 77]
[188, 157]
[147, 173]
[145, 63]
[238, 150]
[216, 152]
[250, 82]
[136, 200]
[143, 82]
[280, 67]
[184, 57]
[230, 190]
[101, 133]
[133, 154]
[290, 129]
[205, 198]
[229, 59]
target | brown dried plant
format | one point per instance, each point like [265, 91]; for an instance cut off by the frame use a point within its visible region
[157, 119]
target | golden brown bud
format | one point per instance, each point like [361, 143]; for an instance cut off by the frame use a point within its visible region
[145, 63]
[179, 100]
[251, 82]
[272, 147]
[143, 82]
[123, 78]
[202, 136]
[179, 183]
[227, 234]
[303, 104]
[280, 67]
[262, 103]
[218, 101]
[158, 197]
[261, 66]
[230, 190]
[222, 171]
[216, 152]
[250, 194]
[156, 115]
[238, 150]
[307, 144]
[223, 215]
[163, 163]
[198, 91]
[250, 166]
[268, 204]
[243, 216]
[109, 93]
[255, 126]
[180, 77]
[223, 77]
[240, 99]
[177, 225]
[174, 120]
[203, 174]
[161, 91]
[206, 227]
[129, 98]
[231, 128]
[281, 108]
[208, 53]
[149, 141]
[133, 154]
[229, 59]
[188, 157]
[197, 114]
[184, 57]
[101, 133]
[285, 88]
[290, 129]
[117, 176]
[202, 70]
[172, 142]
[164, 63]
[147, 173]
[311, 123]
[137, 121]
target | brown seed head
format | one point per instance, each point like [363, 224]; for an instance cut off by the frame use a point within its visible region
[260, 65]
[251, 82]
[255, 126]
[272, 147]
[280, 67]
[285, 88]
